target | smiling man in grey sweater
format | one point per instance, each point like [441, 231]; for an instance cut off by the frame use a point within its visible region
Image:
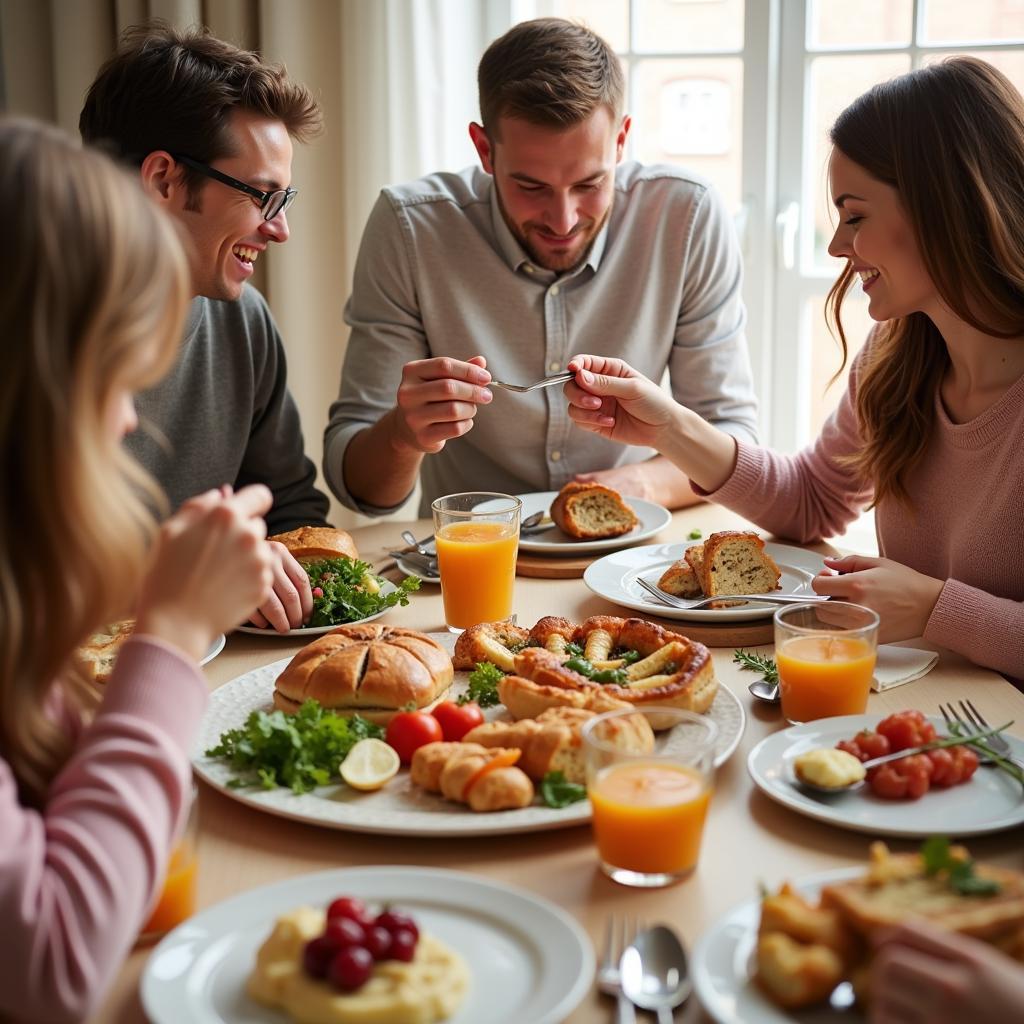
[210, 128]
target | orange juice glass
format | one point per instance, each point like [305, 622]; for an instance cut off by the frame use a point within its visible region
[648, 809]
[477, 538]
[825, 654]
[177, 900]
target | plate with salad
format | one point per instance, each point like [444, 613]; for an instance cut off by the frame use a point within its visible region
[345, 591]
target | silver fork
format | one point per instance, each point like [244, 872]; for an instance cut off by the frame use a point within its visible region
[973, 722]
[702, 602]
[618, 934]
[547, 382]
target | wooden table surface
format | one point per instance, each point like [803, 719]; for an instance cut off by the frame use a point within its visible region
[748, 838]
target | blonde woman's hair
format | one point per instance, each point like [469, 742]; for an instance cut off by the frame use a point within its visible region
[950, 139]
[93, 290]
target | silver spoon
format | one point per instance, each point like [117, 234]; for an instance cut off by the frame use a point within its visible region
[764, 690]
[945, 741]
[419, 545]
[654, 973]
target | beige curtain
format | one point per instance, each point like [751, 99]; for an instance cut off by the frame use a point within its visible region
[50, 52]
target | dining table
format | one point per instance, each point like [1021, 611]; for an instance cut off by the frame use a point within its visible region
[749, 840]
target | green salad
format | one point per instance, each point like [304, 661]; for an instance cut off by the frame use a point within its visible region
[345, 590]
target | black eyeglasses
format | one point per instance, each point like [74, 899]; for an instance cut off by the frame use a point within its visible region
[271, 203]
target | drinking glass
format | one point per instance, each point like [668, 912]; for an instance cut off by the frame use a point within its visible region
[177, 900]
[477, 537]
[825, 655]
[648, 810]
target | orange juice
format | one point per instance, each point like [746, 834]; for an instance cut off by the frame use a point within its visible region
[648, 816]
[178, 898]
[477, 563]
[822, 676]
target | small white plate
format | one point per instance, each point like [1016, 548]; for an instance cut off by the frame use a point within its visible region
[215, 648]
[614, 577]
[412, 570]
[722, 967]
[653, 518]
[990, 802]
[528, 959]
[400, 808]
[386, 587]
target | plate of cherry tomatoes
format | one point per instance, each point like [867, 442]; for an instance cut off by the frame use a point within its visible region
[940, 791]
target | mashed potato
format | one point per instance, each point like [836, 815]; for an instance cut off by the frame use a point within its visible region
[429, 988]
[831, 769]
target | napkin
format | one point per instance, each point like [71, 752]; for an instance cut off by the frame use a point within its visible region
[898, 664]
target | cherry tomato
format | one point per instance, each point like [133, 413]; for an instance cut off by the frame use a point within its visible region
[907, 778]
[397, 920]
[403, 945]
[409, 730]
[874, 744]
[965, 763]
[351, 907]
[852, 747]
[344, 932]
[906, 729]
[945, 773]
[317, 955]
[456, 720]
[350, 969]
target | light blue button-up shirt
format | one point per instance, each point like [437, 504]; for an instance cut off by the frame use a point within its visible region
[440, 273]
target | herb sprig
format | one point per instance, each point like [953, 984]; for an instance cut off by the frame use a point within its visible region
[301, 751]
[555, 791]
[483, 685]
[757, 663]
[937, 855]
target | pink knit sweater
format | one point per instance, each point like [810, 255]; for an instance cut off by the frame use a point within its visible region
[77, 879]
[964, 526]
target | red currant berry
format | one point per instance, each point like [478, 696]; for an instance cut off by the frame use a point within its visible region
[403, 945]
[378, 942]
[343, 932]
[350, 968]
[395, 919]
[317, 955]
[349, 906]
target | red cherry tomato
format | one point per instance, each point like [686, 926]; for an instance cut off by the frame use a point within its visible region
[906, 729]
[409, 730]
[907, 778]
[874, 744]
[350, 969]
[965, 763]
[852, 747]
[351, 907]
[945, 772]
[457, 719]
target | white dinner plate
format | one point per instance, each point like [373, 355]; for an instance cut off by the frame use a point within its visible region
[400, 808]
[386, 587]
[722, 967]
[990, 802]
[653, 518]
[215, 648]
[528, 960]
[615, 577]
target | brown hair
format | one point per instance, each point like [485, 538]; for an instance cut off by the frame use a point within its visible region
[176, 91]
[549, 72]
[950, 139]
[93, 290]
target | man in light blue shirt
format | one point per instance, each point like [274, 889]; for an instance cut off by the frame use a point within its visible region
[552, 247]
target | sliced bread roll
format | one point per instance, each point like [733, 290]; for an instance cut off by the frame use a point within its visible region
[313, 543]
[734, 562]
[589, 511]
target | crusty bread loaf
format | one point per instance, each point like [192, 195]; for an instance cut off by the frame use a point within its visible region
[98, 654]
[371, 669]
[552, 742]
[589, 511]
[733, 562]
[312, 543]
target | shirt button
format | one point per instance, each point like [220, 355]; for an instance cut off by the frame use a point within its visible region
[553, 290]
[528, 268]
[554, 367]
[555, 456]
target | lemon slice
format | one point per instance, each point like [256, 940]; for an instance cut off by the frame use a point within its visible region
[369, 765]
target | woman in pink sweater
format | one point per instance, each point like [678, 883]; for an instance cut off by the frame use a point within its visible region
[927, 175]
[94, 786]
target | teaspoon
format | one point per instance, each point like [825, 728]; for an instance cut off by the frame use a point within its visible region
[764, 690]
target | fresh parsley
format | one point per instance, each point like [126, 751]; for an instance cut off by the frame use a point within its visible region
[694, 535]
[574, 650]
[938, 858]
[301, 751]
[604, 675]
[555, 791]
[483, 685]
[348, 591]
[757, 663]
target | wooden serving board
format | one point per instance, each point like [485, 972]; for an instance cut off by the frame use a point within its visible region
[732, 634]
[554, 568]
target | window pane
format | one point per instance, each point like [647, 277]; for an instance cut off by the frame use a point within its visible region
[825, 355]
[608, 18]
[980, 21]
[664, 26]
[1010, 62]
[867, 23]
[835, 83]
[690, 112]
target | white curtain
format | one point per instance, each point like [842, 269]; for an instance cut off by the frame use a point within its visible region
[397, 82]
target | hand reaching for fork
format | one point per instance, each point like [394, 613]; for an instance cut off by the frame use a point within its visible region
[902, 597]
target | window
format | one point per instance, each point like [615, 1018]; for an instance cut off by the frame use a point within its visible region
[743, 92]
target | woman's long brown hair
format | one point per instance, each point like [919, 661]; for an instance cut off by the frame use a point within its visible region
[93, 288]
[950, 139]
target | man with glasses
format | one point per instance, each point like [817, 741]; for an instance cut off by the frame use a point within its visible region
[210, 129]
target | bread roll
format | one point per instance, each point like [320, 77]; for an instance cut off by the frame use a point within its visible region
[312, 543]
[371, 669]
[589, 511]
